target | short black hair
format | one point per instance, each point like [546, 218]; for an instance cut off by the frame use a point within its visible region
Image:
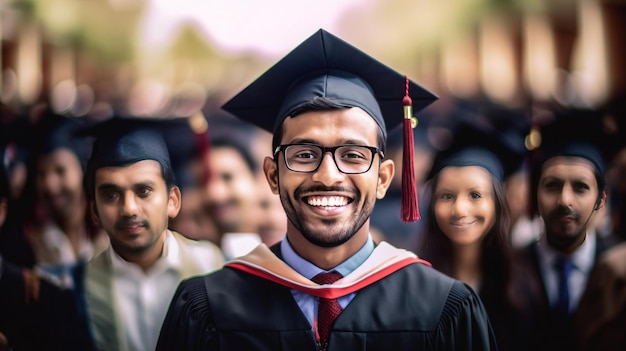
[234, 141]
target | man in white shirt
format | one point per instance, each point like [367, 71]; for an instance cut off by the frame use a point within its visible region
[131, 187]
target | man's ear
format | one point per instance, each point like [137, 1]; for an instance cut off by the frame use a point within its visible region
[385, 176]
[94, 212]
[174, 203]
[270, 168]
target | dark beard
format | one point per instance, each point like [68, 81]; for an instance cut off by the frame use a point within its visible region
[563, 242]
[316, 238]
[319, 238]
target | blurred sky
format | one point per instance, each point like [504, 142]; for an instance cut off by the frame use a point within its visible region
[269, 26]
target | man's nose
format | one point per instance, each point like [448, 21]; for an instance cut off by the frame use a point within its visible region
[328, 173]
[566, 196]
[129, 205]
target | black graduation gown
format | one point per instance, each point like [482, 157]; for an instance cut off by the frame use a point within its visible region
[414, 308]
[53, 322]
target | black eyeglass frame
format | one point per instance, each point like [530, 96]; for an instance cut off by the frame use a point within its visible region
[374, 150]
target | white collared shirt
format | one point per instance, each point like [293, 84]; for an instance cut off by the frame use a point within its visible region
[144, 297]
[583, 259]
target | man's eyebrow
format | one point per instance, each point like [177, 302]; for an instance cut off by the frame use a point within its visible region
[107, 186]
[304, 141]
[341, 142]
[584, 180]
[147, 183]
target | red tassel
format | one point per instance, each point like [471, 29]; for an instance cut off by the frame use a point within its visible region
[200, 128]
[410, 208]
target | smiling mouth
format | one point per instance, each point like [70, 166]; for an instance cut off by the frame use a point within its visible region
[327, 201]
[462, 224]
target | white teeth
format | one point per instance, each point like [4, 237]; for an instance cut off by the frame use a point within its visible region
[327, 201]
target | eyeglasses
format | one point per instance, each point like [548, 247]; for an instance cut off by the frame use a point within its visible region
[306, 158]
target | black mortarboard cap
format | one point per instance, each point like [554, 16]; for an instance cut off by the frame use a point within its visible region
[121, 141]
[54, 131]
[172, 142]
[512, 126]
[326, 66]
[478, 142]
[574, 132]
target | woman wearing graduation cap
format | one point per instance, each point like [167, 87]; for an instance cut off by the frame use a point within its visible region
[327, 285]
[467, 234]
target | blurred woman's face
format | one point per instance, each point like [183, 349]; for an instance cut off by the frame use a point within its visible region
[464, 204]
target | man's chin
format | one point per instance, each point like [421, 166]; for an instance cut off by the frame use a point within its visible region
[323, 240]
[564, 239]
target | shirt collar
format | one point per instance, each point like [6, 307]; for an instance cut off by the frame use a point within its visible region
[309, 270]
[170, 258]
[583, 258]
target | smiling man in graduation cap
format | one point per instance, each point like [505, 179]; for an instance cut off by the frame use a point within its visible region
[328, 285]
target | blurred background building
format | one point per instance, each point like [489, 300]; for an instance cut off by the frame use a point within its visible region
[171, 58]
[185, 58]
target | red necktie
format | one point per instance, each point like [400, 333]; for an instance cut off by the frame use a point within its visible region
[329, 309]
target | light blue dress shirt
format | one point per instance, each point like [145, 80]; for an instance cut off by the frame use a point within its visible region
[309, 303]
